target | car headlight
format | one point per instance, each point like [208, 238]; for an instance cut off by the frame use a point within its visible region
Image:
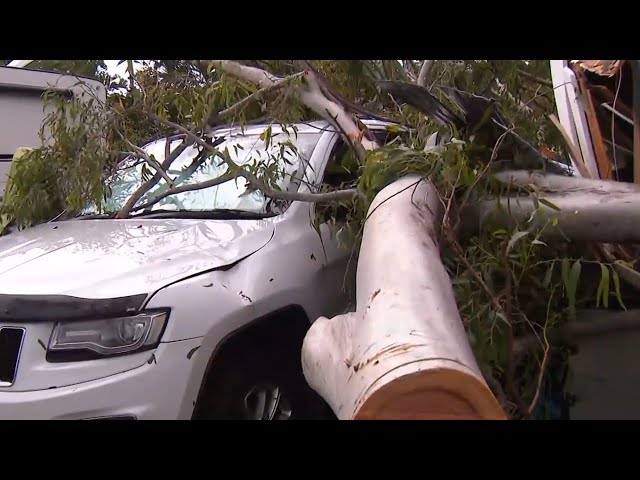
[110, 336]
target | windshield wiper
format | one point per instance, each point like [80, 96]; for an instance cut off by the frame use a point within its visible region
[89, 216]
[218, 213]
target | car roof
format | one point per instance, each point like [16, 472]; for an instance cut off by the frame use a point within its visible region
[317, 126]
[256, 128]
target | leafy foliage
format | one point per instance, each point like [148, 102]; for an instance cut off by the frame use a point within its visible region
[64, 174]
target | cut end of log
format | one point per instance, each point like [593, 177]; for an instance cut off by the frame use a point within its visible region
[419, 405]
[434, 394]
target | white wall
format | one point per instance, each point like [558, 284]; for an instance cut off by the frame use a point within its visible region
[22, 108]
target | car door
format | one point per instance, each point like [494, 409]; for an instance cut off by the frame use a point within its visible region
[335, 245]
[339, 255]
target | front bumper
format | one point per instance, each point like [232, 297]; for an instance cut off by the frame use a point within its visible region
[157, 390]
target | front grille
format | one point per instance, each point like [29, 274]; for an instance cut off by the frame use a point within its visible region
[10, 345]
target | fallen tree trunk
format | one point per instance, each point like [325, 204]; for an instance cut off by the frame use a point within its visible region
[586, 210]
[404, 353]
[551, 183]
[592, 323]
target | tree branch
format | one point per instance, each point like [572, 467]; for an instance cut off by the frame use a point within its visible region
[410, 68]
[338, 195]
[593, 323]
[552, 183]
[132, 77]
[260, 77]
[186, 188]
[200, 158]
[233, 109]
[424, 73]
[312, 96]
[533, 78]
[543, 370]
[149, 160]
[153, 181]
[510, 366]
[581, 216]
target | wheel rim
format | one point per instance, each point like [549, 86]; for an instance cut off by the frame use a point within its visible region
[267, 402]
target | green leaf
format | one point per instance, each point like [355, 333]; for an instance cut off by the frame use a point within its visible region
[604, 282]
[5, 220]
[265, 136]
[514, 238]
[599, 293]
[547, 278]
[549, 204]
[572, 287]
[536, 202]
[486, 115]
[565, 272]
[616, 283]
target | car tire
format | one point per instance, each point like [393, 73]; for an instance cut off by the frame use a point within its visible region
[260, 380]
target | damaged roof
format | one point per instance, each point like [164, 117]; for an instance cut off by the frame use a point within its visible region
[604, 68]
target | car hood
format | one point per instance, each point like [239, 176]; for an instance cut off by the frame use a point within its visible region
[115, 258]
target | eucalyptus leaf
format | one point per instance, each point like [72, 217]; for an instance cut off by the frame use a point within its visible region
[514, 238]
[616, 283]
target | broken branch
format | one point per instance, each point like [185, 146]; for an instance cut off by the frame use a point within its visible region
[424, 73]
[510, 366]
[592, 323]
[411, 70]
[339, 195]
[237, 107]
[153, 181]
[533, 78]
[552, 183]
[149, 160]
[312, 96]
[186, 188]
[255, 75]
[580, 215]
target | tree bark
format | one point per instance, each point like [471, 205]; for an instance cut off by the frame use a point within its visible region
[312, 96]
[562, 184]
[588, 210]
[592, 323]
[404, 353]
[424, 73]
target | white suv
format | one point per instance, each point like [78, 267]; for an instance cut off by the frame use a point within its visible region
[193, 308]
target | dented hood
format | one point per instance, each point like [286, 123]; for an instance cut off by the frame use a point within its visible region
[114, 258]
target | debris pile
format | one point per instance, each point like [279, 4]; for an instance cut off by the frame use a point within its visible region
[606, 95]
[606, 92]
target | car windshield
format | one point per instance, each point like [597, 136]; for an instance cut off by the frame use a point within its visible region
[284, 156]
